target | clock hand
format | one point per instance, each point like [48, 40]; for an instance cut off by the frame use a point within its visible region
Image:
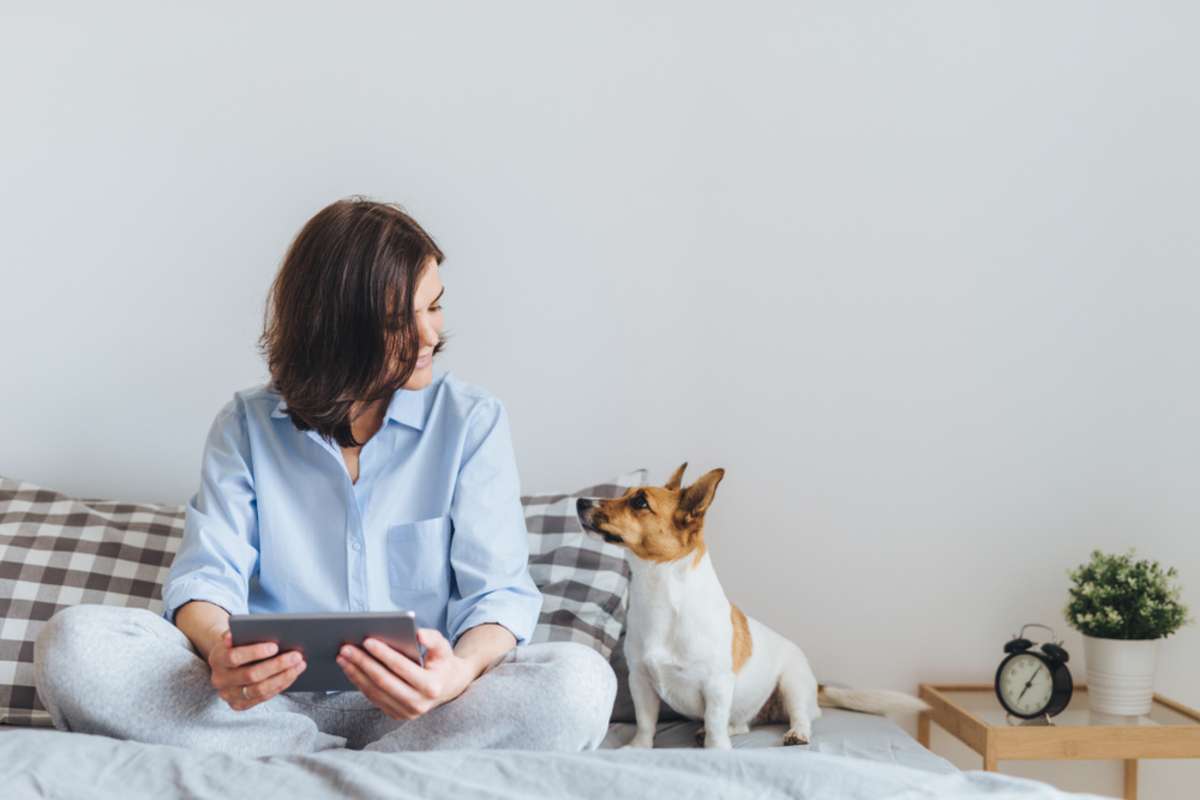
[1030, 683]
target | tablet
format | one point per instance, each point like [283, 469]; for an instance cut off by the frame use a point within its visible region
[319, 636]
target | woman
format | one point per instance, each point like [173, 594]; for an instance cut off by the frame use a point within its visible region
[357, 479]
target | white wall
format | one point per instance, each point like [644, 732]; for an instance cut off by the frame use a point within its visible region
[921, 277]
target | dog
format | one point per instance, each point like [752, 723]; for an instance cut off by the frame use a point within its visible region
[688, 645]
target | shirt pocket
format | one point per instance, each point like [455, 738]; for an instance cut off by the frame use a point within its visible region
[418, 555]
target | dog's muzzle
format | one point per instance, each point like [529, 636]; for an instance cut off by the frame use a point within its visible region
[590, 519]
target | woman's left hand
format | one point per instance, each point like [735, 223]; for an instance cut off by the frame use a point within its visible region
[401, 687]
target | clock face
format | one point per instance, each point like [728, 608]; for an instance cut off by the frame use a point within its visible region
[1026, 684]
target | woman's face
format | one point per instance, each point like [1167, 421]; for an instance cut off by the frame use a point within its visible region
[427, 310]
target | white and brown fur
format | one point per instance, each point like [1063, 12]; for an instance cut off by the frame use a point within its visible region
[688, 645]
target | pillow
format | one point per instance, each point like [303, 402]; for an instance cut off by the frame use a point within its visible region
[57, 551]
[584, 580]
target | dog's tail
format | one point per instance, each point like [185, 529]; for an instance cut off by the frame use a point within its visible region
[872, 701]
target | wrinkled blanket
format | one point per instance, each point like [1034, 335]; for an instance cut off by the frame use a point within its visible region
[43, 763]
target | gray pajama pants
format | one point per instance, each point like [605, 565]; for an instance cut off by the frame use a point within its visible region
[130, 674]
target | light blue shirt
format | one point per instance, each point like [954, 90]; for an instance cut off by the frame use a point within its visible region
[433, 524]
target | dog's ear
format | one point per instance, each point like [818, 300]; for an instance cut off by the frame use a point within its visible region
[696, 499]
[676, 477]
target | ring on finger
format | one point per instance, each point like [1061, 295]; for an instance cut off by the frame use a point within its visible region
[244, 695]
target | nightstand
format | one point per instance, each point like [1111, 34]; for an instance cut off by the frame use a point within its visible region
[972, 714]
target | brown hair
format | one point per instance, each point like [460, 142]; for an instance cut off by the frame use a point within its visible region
[339, 328]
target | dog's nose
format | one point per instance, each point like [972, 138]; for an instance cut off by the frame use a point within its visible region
[582, 504]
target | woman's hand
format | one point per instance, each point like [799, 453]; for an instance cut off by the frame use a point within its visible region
[261, 680]
[398, 685]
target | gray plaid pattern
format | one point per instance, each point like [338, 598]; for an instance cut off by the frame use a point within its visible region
[58, 551]
[584, 580]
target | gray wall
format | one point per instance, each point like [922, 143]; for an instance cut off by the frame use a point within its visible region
[921, 277]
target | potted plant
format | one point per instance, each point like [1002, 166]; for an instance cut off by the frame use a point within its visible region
[1123, 607]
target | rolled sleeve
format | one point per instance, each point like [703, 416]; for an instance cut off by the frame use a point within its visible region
[489, 547]
[219, 551]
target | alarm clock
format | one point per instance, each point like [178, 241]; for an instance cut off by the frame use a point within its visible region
[1031, 684]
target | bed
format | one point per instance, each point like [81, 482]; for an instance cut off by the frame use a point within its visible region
[57, 551]
[852, 756]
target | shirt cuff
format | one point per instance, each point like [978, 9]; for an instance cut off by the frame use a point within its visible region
[198, 589]
[516, 612]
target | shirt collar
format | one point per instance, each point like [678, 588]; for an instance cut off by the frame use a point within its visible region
[407, 407]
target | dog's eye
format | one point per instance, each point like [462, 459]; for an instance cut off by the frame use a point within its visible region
[638, 501]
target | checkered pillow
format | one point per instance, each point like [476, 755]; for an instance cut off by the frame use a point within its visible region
[584, 580]
[58, 551]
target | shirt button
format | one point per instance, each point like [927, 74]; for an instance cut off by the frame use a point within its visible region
[354, 543]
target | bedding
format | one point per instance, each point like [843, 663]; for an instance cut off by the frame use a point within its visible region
[40, 763]
[836, 732]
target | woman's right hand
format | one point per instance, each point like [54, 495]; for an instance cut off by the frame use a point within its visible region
[235, 667]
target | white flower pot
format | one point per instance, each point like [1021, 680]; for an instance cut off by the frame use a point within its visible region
[1120, 675]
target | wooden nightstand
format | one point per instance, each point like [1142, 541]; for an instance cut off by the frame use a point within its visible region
[971, 713]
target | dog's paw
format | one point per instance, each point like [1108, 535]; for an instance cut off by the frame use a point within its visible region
[639, 741]
[734, 730]
[794, 737]
[718, 743]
